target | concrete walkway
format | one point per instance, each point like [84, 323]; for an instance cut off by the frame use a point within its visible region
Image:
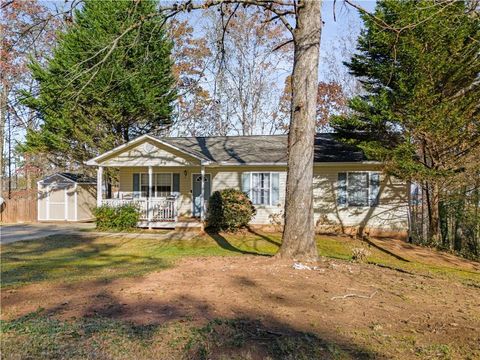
[20, 232]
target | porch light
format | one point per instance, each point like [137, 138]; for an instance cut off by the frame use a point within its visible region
[185, 173]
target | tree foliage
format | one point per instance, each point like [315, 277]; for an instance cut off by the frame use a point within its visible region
[419, 65]
[92, 99]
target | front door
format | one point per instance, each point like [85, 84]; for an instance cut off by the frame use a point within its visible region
[197, 192]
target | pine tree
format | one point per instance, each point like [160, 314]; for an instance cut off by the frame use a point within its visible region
[419, 64]
[94, 95]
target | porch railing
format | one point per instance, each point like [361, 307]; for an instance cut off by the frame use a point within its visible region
[153, 209]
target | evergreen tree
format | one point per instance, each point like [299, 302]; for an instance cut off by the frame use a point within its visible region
[109, 80]
[419, 64]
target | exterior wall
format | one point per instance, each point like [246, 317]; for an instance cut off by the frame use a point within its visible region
[150, 153]
[56, 212]
[231, 177]
[86, 201]
[71, 203]
[388, 217]
[221, 178]
[42, 202]
[185, 199]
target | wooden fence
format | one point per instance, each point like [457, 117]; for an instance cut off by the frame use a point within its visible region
[21, 207]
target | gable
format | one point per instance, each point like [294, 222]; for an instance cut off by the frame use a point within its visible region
[149, 153]
[56, 179]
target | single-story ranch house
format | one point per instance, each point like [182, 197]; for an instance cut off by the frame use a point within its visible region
[171, 179]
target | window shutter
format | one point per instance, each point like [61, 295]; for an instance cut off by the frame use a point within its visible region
[136, 184]
[374, 188]
[275, 188]
[246, 184]
[342, 189]
[176, 184]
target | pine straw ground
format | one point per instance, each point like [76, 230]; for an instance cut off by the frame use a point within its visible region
[224, 297]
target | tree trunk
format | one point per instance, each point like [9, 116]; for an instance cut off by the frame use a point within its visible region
[434, 218]
[298, 240]
[3, 121]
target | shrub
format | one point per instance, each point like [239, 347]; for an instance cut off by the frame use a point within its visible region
[123, 217]
[229, 210]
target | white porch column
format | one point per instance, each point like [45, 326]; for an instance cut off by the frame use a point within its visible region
[150, 194]
[202, 194]
[99, 185]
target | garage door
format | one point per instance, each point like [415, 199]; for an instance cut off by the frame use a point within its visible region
[56, 203]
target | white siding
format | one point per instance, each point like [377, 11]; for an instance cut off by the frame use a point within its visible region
[149, 153]
[86, 201]
[390, 214]
[231, 177]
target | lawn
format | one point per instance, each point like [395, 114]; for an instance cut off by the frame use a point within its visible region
[105, 258]
[224, 297]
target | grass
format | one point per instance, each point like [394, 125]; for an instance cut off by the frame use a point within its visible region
[89, 257]
[96, 337]
[94, 258]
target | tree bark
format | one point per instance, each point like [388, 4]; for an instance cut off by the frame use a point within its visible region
[298, 241]
[434, 218]
[3, 121]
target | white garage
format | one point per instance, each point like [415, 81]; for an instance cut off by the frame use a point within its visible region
[66, 197]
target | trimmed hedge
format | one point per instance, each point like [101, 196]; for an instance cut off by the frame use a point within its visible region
[123, 217]
[229, 210]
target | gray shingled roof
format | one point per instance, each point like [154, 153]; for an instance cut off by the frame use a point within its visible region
[78, 178]
[262, 149]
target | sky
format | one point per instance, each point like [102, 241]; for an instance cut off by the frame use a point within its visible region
[345, 25]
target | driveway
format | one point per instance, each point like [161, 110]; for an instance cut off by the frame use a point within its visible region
[20, 232]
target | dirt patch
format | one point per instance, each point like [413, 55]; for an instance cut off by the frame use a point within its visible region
[390, 313]
[423, 254]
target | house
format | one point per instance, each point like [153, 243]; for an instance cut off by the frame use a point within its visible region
[171, 179]
[66, 197]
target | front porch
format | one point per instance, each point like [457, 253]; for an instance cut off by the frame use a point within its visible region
[154, 212]
[168, 185]
[173, 198]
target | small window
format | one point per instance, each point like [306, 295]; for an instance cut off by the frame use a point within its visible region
[358, 188]
[144, 185]
[163, 185]
[261, 188]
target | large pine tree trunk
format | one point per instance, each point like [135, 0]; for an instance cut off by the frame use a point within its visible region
[298, 240]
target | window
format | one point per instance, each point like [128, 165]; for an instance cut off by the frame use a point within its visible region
[144, 185]
[358, 188]
[261, 187]
[163, 184]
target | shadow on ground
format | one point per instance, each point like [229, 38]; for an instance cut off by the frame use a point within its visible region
[178, 335]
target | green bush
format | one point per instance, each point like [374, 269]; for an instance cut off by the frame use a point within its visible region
[229, 210]
[123, 217]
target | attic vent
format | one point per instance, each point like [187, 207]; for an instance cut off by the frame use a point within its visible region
[148, 147]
